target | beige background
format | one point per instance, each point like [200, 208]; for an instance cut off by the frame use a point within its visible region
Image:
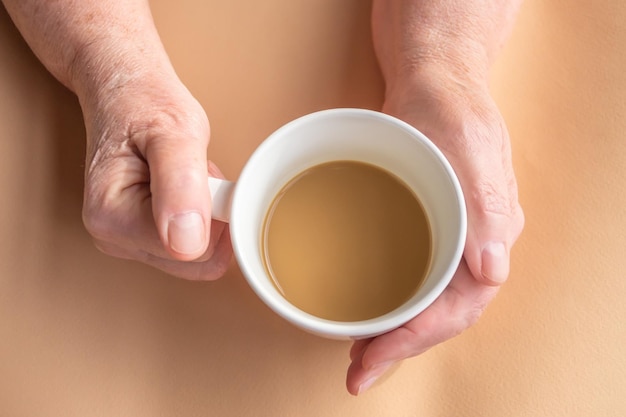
[82, 334]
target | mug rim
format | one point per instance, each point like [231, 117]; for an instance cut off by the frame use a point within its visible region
[355, 329]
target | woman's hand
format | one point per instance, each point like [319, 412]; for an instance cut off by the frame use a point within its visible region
[463, 121]
[146, 193]
[435, 57]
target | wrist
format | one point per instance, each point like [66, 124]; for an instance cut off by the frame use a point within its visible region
[448, 82]
[452, 42]
[449, 109]
[103, 71]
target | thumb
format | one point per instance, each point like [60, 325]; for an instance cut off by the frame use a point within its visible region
[495, 218]
[180, 196]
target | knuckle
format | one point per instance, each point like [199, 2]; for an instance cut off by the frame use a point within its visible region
[473, 315]
[465, 311]
[470, 315]
[169, 123]
[490, 199]
[472, 135]
[96, 224]
[98, 218]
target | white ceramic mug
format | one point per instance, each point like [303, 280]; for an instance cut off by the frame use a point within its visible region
[344, 134]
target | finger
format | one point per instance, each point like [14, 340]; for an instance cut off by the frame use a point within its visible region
[360, 379]
[495, 218]
[358, 347]
[217, 227]
[126, 228]
[208, 270]
[119, 215]
[455, 310]
[458, 307]
[119, 218]
[180, 196]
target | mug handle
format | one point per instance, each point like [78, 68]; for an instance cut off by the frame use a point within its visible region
[221, 198]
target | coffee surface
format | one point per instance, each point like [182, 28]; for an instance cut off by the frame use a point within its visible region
[346, 241]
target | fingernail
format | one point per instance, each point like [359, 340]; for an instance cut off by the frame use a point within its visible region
[185, 233]
[366, 385]
[495, 262]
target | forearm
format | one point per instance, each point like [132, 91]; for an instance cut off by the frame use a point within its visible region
[461, 37]
[91, 45]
